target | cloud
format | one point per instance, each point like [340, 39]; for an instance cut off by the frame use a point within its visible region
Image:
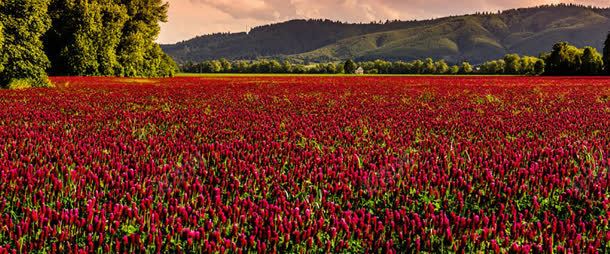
[250, 9]
[188, 18]
[345, 10]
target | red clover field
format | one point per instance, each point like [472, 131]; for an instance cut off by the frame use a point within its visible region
[306, 164]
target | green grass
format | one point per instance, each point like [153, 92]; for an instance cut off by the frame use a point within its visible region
[214, 75]
[257, 75]
[19, 84]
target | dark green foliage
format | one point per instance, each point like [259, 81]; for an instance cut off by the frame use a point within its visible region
[441, 67]
[22, 54]
[273, 66]
[607, 54]
[113, 19]
[76, 29]
[529, 66]
[1, 44]
[349, 67]
[80, 37]
[512, 64]
[566, 59]
[454, 69]
[84, 37]
[138, 53]
[107, 37]
[382, 67]
[539, 67]
[212, 67]
[287, 67]
[417, 66]
[466, 68]
[592, 63]
[494, 67]
[226, 65]
[429, 67]
[157, 63]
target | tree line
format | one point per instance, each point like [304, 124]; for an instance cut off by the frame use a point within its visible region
[81, 38]
[564, 59]
[427, 66]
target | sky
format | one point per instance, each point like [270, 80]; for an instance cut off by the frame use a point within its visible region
[189, 18]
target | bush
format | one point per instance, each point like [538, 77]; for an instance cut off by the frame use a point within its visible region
[17, 84]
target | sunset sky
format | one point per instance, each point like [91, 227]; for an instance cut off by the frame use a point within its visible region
[189, 18]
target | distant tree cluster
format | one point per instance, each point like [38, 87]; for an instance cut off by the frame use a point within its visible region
[81, 37]
[513, 64]
[564, 59]
[549, 6]
[261, 66]
[427, 66]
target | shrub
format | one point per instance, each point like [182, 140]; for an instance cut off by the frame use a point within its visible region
[17, 84]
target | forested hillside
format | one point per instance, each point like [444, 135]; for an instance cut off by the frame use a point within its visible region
[478, 37]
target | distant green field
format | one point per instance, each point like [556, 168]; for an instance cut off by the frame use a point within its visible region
[254, 74]
[321, 75]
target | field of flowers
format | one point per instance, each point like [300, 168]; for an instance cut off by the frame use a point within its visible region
[307, 164]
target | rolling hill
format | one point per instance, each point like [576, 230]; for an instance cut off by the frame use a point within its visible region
[477, 37]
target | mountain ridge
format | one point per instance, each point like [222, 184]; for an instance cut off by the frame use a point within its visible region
[475, 37]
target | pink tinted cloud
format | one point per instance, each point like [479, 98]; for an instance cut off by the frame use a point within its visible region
[189, 18]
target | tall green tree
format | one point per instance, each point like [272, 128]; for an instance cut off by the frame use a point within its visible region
[213, 66]
[138, 53]
[287, 67]
[441, 67]
[332, 68]
[113, 17]
[607, 54]
[81, 52]
[528, 65]
[565, 59]
[539, 67]
[349, 67]
[466, 68]
[592, 63]
[23, 57]
[1, 44]
[84, 37]
[429, 67]
[226, 65]
[107, 37]
[512, 64]
[418, 67]
[382, 66]
[454, 69]
[493, 67]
